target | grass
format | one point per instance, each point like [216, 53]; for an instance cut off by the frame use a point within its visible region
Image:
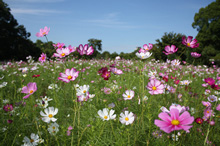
[88, 127]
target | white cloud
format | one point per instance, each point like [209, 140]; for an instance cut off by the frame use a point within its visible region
[33, 11]
[110, 20]
[38, 1]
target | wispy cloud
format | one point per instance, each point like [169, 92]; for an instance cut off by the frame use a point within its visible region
[34, 11]
[110, 20]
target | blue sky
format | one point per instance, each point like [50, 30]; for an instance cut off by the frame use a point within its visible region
[122, 25]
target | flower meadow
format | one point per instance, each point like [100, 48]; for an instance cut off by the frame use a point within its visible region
[70, 101]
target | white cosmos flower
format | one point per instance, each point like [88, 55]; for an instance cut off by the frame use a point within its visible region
[33, 141]
[143, 55]
[82, 90]
[53, 128]
[128, 95]
[46, 99]
[49, 114]
[212, 98]
[106, 114]
[126, 118]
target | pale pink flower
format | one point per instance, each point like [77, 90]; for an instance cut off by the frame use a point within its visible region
[218, 107]
[71, 49]
[170, 50]
[58, 45]
[174, 121]
[189, 43]
[207, 104]
[29, 89]
[155, 87]
[70, 75]
[42, 58]
[195, 54]
[63, 52]
[116, 71]
[43, 32]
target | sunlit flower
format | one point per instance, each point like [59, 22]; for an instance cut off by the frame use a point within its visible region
[82, 90]
[49, 114]
[143, 55]
[126, 118]
[105, 114]
[128, 95]
[70, 75]
[43, 32]
[155, 87]
[174, 121]
[61, 52]
[189, 43]
[34, 140]
[29, 89]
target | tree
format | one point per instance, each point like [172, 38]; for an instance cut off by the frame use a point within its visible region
[207, 23]
[14, 41]
[168, 39]
[97, 46]
[46, 47]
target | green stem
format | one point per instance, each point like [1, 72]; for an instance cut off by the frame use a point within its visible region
[81, 135]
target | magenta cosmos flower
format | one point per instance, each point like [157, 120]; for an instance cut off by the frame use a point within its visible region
[155, 87]
[170, 50]
[174, 121]
[195, 54]
[8, 107]
[210, 81]
[70, 75]
[62, 52]
[189, 43]
[29, 89]
[42, 58]
[116, 71]
[43, 32]
[86, 50]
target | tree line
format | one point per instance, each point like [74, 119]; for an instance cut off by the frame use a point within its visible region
[16, 45]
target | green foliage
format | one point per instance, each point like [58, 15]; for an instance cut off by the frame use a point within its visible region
[207, 23]
[46, 47]
[14, 41]
[97, 46]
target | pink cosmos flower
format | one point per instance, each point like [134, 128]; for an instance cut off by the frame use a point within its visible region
[63, 52]
[29, 89]
[195, 54]
[208, 112]
[86, 50]
[70, 75]
[174, 121]
[218, 107]
[189, 42]
[170, 50]
[210, 81]
[116, 71]
[58, 45]
[146, 48]
[207, 104]
[71, 49]
[8, 107]
[155, 87]
[43, 32]
[42, 58]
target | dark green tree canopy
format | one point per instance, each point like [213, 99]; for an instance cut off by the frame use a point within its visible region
[207, 23]
[15, 44]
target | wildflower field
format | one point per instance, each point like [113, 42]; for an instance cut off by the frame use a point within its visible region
[70, 101]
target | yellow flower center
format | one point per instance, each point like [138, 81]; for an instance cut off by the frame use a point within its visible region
[31, 140]
[84, 91]
[69, 77]
[175, 122]
[63, 54]
[43, 58]
[105, 117]
[199, 122]
[50, 115]
[154, 88]
[207, 111]
[142, 57]
[31, 91]
[129, 96]
[188, 44]
[44, 33]
[126, 119]
[54, 127]
[8, 108]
